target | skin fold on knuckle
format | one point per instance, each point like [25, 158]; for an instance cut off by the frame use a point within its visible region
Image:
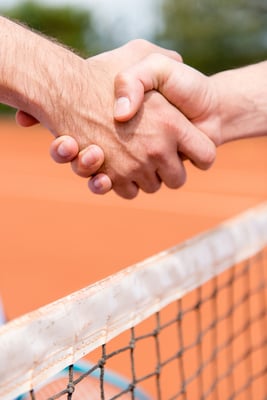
[156, 151]
[127, 192]
[177, 181]
[140, 46]
[150, 186]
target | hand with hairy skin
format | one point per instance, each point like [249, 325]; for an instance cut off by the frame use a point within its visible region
[139, 154]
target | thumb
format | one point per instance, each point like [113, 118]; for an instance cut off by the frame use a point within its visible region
[129, 95]
[132, 83]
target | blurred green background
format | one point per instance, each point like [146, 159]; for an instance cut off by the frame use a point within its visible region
[212, 35]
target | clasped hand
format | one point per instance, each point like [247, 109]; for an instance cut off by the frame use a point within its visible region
[140, 114]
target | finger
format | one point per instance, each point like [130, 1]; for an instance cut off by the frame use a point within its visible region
[88, 161]
[131, 84]
[171, 171]
[25, 120]
[100, 184]
[190, 140]
[64, 149]
[148, 182]
[127, 190]
[183, 86]
[194, 144]
[183, 137]
[129, 96]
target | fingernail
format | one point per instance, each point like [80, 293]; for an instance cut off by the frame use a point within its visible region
[122, 106]
[63, 150]
[97, 183]
[91, 156]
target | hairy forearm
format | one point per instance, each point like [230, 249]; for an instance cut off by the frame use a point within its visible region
[242, 95]
[35, 73]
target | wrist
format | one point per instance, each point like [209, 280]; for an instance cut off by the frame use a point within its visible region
[242, 101]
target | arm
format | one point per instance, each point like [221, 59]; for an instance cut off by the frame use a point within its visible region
[32, 72]
[73, 97]
[242, 99]
[30, 67]
[70, 96]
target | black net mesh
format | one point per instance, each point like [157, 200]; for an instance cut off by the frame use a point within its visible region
[211, 344]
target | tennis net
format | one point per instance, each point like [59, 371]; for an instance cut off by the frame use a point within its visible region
[188, 323]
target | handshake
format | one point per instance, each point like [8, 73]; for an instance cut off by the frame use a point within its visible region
[129, 118]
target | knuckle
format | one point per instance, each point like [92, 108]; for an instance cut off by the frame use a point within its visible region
[137, 168]
[139, 44]
[176, 56]
[153, 150]
[127, 193]
[159, 59]
[152, 188]
[176, 181]
[143, 43]
[121, 79]
[157, 153]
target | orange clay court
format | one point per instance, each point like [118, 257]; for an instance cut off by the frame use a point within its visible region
[57, 237]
